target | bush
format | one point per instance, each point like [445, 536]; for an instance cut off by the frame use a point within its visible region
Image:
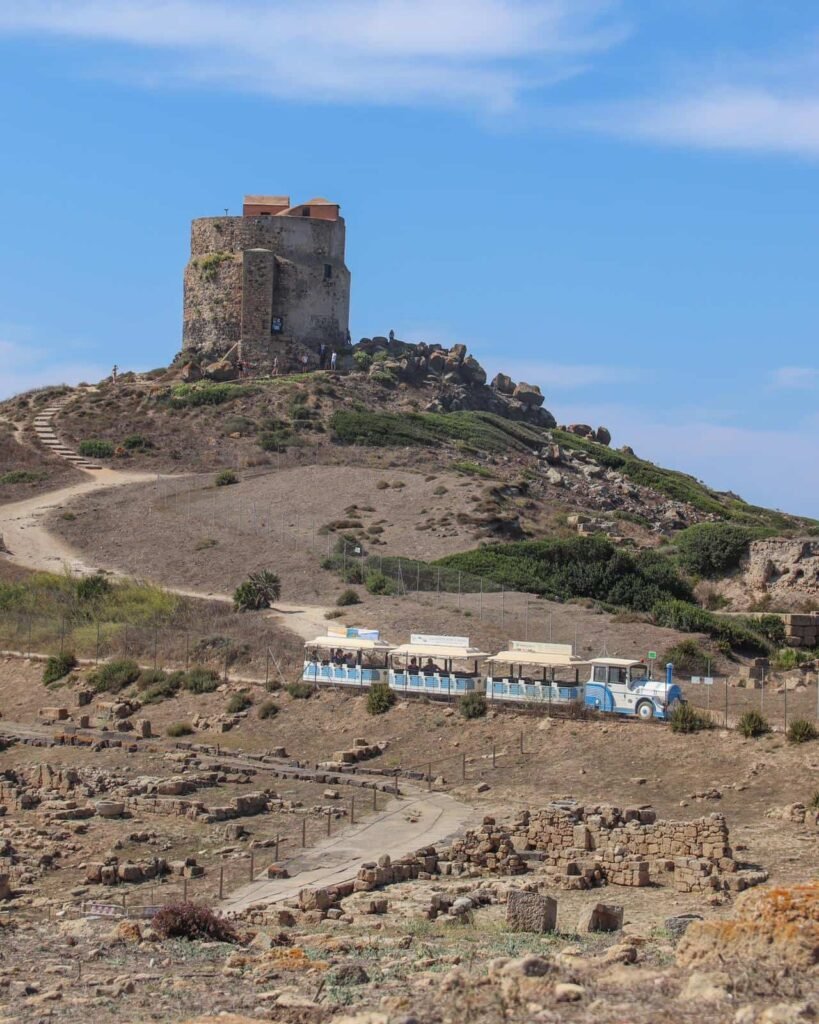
[192, 921]
[258, 591]
[58, 666]
[22, 476]
[472, 705]
[380, 698]
[160, 687]
[736, 632]
[226, 478]
[379, 584]
[752, 725]
[239, 702]
[201, 680]
[712, 549]
[299, 691]
[683, 717]
[93, 588]
[814, 801]
[269, 709]
[363, 361]
[802, 731]
[180, 729]
[347, 597]
[206, 392]
[96, 449]
[688, 658]
[114, 676]
[137, 443]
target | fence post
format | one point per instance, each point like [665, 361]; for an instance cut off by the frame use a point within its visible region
[786, 705]
[480, 602]
[221, 880]
[521, 741]
[187, 650]
[62, 633]
[463, 767]
[156, 642]
[459, 590]
[252, 864]
[375, 798]
[329, 819]
[526, 627]
[502, 602]
[227, 654]
[29, 636]
[304, 832]
[184, 890]
[395, 782]
[277, 847]
[266, 667]
[429, 776]
[352, 810]
[726, 702]
[493, 755]
[97, 651]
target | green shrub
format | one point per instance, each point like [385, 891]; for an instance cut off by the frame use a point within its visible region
[752, 725]
[363, 361]
[208, 393]
[93, 588]
[347, 597]
[275, 440]
[472, 469]
[688, 658]
[58, 666]
[788, 658]
[114, 676]
[258, 591]
[22, 476]
[567, 568]
[299, 691]
[814, 801]
[334, 613]
[730, 633]
[712, 549]
[472, 705]
[268, 709]
[239, 702]
[180, 729]
[137, 443]
[156, 686]
[226, 478]
[201, 680]
[683, 717]
[96, 449]
[802, 731]
[380, 698]
[377, 583]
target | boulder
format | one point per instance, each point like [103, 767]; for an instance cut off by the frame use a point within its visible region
[110, 808]
[503, 384]
[190, 373]
[678, 926]
[457, 353]
[776, 926]
[600, 917]
[581, 429]
[530, 912]
[437, 362]
[603, 436]
[472, 371]
[528, 394]
[221, 370]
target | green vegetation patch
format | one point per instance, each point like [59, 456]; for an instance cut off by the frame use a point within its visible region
[208, 266]
[22, 476]
[207, 392]
[590, 567]
[58, 666]
[714, 549]
[93, 448]
[759, 636]
[478, 431]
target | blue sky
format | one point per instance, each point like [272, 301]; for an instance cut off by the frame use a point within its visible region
[615, 199]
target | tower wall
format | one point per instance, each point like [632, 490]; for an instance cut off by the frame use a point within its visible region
[278, 284]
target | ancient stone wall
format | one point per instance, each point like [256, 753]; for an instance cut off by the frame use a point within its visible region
[277, 284]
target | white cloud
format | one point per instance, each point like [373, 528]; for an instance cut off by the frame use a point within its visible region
[798, 378]
[722, 117]
[27, 366]
[485, 53]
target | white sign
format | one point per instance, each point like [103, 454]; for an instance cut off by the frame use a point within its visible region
[695, 680]
[430, 640]
[564, 650]
[708, 681]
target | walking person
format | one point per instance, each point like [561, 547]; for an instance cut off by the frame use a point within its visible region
[333, 359]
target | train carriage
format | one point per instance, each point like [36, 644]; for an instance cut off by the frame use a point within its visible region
[352, 657]
[438, 666]
[536, 673]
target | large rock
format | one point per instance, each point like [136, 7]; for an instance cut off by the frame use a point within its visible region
[472, 371]
[437, 361]
[581, 429]
[503, 384]
[529, 394]
[5, 888]
[221, 370]
[775, 926]
[530, 912]
[600, 917]
[603, 436]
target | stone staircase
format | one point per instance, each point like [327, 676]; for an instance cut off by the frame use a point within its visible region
[44, 429]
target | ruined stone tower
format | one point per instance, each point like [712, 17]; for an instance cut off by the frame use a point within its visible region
[273, 280]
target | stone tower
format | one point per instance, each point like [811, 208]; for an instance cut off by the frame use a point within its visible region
[272, 282]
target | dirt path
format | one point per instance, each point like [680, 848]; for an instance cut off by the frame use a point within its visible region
[408, 823]
[28, 543]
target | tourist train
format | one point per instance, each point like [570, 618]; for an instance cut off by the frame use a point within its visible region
[534, 674]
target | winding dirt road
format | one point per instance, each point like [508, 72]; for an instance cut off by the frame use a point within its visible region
[28, 543]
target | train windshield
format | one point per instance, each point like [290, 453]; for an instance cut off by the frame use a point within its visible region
[639, 673]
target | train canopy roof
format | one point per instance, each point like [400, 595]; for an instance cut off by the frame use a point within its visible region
[522, 652]
[425, 645]
[352, 639]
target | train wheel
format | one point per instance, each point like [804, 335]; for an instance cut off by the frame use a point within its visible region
[645, 710]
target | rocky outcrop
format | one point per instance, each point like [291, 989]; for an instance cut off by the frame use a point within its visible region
[458, 378]
[777, 928]
[788, 570]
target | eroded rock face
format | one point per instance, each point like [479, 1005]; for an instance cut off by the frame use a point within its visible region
[777, 926]
[785, 568]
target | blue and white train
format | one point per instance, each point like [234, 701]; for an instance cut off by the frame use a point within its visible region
[525, 673]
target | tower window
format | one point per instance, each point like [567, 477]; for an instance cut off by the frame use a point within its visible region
[328, 272]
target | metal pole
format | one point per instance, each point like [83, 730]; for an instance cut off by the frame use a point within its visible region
[352, 810]
[480, 602]
[277, 847]
[429, 776]
[187, 650]
[156, 631]
[304, 832]
[762, 693]
[726, 702]
[221, 880]
[526, 628]
[502, 602]
[786, 705]
[493, 755]
[463, 767]
[252, 864]
[184, 890]
[375, 798]
[329, 813]
[97, 651]
[266, 666]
